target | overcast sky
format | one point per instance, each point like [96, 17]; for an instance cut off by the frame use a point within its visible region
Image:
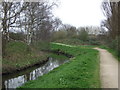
[80, 12]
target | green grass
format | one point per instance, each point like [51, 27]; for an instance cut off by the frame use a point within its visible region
[82, 71]
[71, 41]
[41, 45]
[19, 55]
[76, 41]
[56, 56]
[114, 52]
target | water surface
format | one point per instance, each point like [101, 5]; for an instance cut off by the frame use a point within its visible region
[18, 79]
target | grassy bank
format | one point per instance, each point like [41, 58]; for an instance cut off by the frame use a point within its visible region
[56, 56]
[19, 55]
[75, 41]
[81, 72]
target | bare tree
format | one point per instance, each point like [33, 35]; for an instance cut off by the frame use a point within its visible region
[111, 11]
[112, 23]
[34, 19]
[10, 12]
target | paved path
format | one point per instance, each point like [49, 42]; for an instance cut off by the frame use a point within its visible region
[108, 69]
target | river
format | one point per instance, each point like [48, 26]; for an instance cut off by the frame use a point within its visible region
[17, 79]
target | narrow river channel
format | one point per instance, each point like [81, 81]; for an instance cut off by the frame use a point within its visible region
[20, 78]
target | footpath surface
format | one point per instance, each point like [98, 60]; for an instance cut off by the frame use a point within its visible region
[108, 69]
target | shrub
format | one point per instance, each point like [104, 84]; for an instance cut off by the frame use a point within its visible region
[41, 45]
[17, 36]
[57, 35]
[83, 35]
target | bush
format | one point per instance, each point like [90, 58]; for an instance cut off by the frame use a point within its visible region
[17, 36]
[16, 47]
[114, 45]
[83, 35]
[57, 35]
[94, 42]
[41, 45]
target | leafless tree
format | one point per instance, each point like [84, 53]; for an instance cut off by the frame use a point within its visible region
[9, 14]
[34, 19]
[112, 23]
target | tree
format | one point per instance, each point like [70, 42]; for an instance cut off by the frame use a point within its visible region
[111, 11]
[83, 35]
[60, 34]
[57, 23]
[9, 14]
[71, 30]
[33, 19]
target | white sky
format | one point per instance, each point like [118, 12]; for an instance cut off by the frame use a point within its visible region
[80, 12]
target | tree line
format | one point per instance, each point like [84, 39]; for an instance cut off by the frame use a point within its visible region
[111, 11]
[28, 22]
[85, 34]
[33, 22]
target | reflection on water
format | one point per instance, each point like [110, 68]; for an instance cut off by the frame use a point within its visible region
[15, 82]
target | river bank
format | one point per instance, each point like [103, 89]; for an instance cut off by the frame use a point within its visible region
[20, 58]
[82, 71]
[17, 79]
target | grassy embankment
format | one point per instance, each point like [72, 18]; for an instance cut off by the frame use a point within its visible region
[19, 55]
[81, 72]
[75, 41]
[90, 43]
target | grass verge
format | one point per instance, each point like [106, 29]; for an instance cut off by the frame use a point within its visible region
[75, 41]
[80, 72]
[19, 55]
